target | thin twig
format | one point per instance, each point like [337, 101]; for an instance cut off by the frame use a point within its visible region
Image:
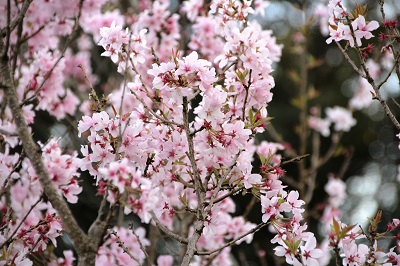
[346, 163]
[289, 151]
[296, 159]
[335, 140]
[345, 54]
[221, 181]
[139, 241]
[199, 189]
[232, 192]
[21, 222]
[124, 248]
[390, 72]
[232, 242]
[396, 103]
[8, 178]
[17, 47]
[381, 3]
[20, 17]
[371, 81]
[8, 30]
[66, 45]
[167, 122]
[247, 88]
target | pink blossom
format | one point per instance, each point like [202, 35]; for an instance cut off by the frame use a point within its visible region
[112, 40]
[192, 8]
[189, 64]
[341, 118]
[321, 13]
[110, 253]
[340, 32]
[336, 190]
[354, 255]
[310, 253]
[68, 259]
[238, 227]
[293, 200]
[210, 108]
[363, 96]
[363, 30]
[22, 260]
[165, 260]
[267, 149]
[251, 180]
[236, 135]
[320, 125]
[272, 207]
[283, 250]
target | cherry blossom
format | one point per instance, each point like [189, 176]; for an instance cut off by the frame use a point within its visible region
[363, 30]
[355, 254]
[362, 97]
[341, 118]
[309, 252]
[112, 40]
[336, 190]
[320, 125]
[175, 139]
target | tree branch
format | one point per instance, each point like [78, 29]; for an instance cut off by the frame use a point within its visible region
[18, 19]
[34, 154]
[167, 231]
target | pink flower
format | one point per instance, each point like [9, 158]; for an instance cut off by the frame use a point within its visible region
[237, 135]
[165, 260]
[119, 173]
[363, 30]
[341, 117]
[252, 179]
[71, 191]
[354, 255]
[112, 40]
[336, 190]
[272, 207]
[210, 108]
[22, 260]
[192, 8]
[188, 64]
[237, 227]
[363, 97]
[293, 200]
[340, 32]
[223, 59]
[68, 259]
[310, 253]
[320, 125]
[267, 149]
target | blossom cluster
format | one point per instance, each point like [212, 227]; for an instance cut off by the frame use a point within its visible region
[30, 224]
[176, 139]
[341, 29]
[111, 253]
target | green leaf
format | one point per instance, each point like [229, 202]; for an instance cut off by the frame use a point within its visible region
[335, 227]
[297, 244]
[346, 230]
[262, 159]
[251, 116]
